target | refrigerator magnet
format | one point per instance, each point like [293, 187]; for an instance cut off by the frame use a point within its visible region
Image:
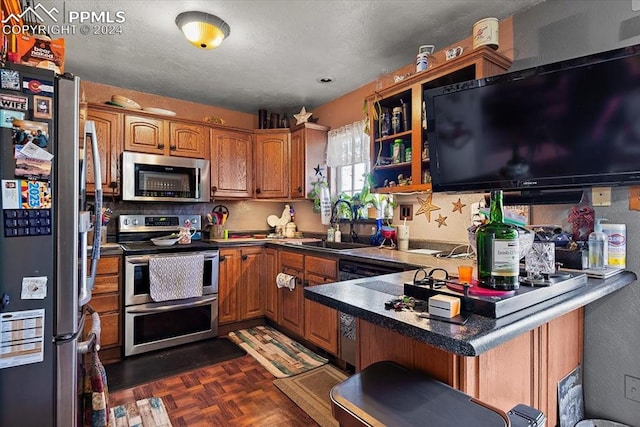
[41, 107]
[34, 287]
[37, 87]
[14, 102]
[10, 79]
[8, 116]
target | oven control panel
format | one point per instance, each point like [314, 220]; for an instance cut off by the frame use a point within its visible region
[147, 223]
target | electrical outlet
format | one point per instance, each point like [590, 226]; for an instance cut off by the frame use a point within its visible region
[601, 196]
[632, 388]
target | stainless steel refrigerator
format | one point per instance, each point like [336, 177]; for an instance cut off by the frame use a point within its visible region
[44, 283]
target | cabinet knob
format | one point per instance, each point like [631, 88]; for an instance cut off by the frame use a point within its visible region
[161, 146]
[306, 283]
[222, 258]
[257, 191]
[299, 189]
[214, 189]
[172, 147]
[244, 257]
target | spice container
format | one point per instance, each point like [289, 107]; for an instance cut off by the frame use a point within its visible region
[397, 151]
[396, 120]
[407, 154]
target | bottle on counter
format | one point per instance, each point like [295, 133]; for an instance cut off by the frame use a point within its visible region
[498, 249]
[598, 242]
[337, 236]
[330, 234]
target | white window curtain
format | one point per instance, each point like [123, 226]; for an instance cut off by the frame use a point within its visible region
[347, 145]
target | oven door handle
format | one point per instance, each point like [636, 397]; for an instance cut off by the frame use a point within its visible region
[148, 308]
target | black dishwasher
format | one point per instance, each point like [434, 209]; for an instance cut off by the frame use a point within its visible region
[348, 270]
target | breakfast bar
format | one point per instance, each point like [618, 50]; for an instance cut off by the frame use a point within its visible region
[517, 358]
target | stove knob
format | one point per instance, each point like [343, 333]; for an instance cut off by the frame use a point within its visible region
[135, 222]
[126, 222]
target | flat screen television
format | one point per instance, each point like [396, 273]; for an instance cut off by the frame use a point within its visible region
[567, 125]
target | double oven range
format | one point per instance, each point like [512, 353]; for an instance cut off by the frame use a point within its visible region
[151, 325]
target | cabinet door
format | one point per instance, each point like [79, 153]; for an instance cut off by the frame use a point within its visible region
[144, 134]
[308, 151]
[231, 164]
[271, 291]
[291, 302]
[320, 322]
[271, 165]
[106, 302]
[228, 283]
[109, 135]
[188, 140]
[251, 293]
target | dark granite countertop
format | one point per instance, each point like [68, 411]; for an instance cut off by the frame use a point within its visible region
[365, 298]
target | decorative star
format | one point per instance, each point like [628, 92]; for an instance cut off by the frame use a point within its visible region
[441, 220]
[302, 116]
[457, 206]
[318, 170]
[426, 207]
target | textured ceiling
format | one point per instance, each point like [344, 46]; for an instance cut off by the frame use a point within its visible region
[277, 50]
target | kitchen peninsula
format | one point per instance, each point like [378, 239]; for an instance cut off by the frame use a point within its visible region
[518, 358]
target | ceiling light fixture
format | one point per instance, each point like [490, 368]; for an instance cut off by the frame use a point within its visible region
[202, 29]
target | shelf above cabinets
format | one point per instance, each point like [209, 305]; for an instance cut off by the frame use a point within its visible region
[399, 146]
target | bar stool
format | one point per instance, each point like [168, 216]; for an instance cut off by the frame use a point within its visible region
[387, 394]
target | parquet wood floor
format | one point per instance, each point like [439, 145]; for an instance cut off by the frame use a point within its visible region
[238, 392]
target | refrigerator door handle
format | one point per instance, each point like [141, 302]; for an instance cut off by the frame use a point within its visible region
[87, 281]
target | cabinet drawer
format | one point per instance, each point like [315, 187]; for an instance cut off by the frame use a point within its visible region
[108, 265]
[105, 303]
[292, 260]
[321, 266]
[110, 325]
[106, 284]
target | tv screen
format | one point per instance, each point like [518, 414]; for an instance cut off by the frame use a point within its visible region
[565, 125]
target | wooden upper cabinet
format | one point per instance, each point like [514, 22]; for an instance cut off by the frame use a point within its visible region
[157, 136]
[188, 140]
[308, 151]
[231, 164]
[271, 163]
[109, 135]
[144, 134]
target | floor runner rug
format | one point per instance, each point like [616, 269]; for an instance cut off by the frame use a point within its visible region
[310, 391]
[143, 413]
[136, 370]
[278, 353]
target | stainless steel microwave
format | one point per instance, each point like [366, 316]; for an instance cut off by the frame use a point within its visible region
[153, 178]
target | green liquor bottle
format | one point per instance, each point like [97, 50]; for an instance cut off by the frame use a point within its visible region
[498, 251]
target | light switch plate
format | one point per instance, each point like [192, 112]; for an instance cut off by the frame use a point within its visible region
[601, 196]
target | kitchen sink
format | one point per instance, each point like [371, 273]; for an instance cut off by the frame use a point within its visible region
[335, 245]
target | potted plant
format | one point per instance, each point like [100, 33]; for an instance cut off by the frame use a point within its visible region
[369, 199]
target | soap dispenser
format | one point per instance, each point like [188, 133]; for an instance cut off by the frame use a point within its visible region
[598, 243]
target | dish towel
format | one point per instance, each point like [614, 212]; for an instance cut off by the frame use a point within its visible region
[286, 281]
[174, 277]
[95, 393]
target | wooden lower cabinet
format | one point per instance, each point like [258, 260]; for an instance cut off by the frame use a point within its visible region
[525, 369]
[321, 326]
[106, 301]
[240, 284]
[291, 302]
[271, 291]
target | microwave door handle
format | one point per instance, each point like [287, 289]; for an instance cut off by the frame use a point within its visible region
[146, 308]
[197, 183]
[90, 129]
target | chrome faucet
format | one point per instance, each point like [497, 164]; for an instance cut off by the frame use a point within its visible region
[334, 218]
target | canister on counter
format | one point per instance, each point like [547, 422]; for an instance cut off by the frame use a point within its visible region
[397, 151]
